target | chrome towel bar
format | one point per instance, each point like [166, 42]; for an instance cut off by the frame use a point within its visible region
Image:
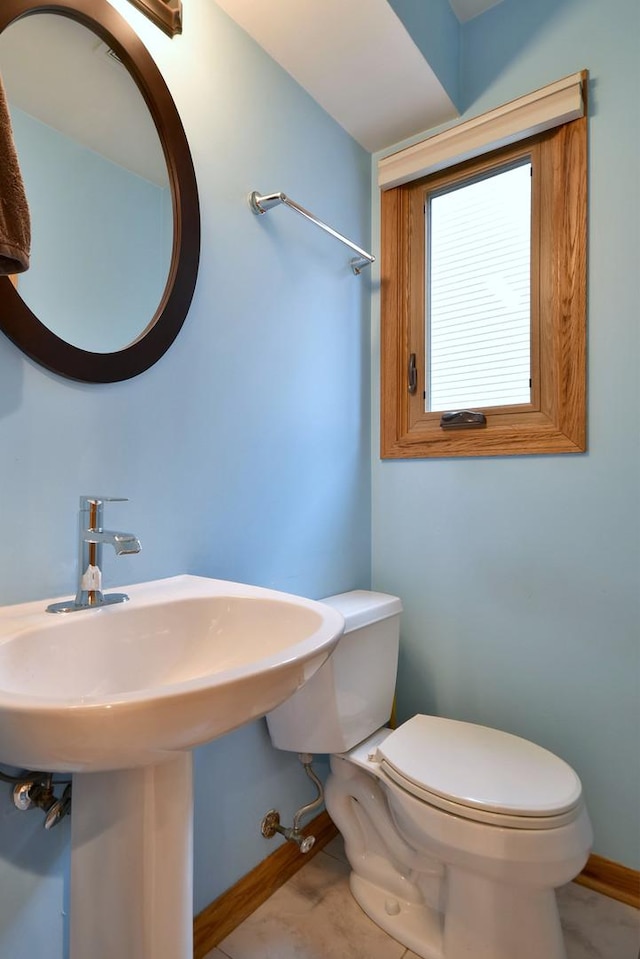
[262, 203]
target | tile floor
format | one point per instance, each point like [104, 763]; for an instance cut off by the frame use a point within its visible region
[313, 916]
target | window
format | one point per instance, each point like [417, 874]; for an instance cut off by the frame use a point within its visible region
[484, 297]
[478, 293]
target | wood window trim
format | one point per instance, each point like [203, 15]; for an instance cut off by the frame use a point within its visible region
[549, 107]
[556, 420]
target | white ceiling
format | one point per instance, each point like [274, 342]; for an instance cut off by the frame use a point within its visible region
[357, 60]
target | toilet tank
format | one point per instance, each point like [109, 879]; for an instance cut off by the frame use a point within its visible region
[351, 695]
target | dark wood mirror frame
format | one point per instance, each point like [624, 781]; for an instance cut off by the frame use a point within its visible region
[16, 319]
[166, 14]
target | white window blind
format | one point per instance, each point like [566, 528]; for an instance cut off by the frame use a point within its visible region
[478, 298]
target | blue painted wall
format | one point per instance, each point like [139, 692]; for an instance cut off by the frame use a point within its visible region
[521, 576]
[96, 288]
[245, 451]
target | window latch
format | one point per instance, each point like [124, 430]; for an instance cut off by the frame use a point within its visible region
[462, 419]
[412, 374]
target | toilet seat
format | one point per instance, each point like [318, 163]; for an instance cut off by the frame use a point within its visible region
[480, 774]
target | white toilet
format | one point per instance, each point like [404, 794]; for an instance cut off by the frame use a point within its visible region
[457, 835]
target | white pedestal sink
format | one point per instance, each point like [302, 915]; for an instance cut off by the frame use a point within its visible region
[119, 696]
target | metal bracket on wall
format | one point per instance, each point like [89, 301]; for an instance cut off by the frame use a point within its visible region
[166, 14]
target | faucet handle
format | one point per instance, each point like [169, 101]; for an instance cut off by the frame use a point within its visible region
[87, 501]
[91, 509]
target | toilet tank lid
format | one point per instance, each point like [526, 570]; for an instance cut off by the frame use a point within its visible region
[362, 607]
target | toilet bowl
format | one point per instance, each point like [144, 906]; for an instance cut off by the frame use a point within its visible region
[457, 834]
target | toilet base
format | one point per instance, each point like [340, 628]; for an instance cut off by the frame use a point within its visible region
[483, 920]
[438, 898]
[415, 925]
[491, 920]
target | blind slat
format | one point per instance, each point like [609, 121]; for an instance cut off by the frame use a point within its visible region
[478, 302]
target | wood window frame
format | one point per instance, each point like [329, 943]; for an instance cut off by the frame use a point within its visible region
[555, 420]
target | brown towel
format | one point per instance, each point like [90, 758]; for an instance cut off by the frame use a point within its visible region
[15, 223]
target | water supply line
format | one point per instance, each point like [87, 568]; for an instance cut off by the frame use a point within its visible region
[270, 825]
[261, 203]
[36, 790]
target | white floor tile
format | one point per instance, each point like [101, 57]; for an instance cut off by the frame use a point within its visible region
[312, 917]
[596, 927]
[335, 848]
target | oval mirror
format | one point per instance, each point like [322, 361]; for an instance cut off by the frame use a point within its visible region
[111, 188]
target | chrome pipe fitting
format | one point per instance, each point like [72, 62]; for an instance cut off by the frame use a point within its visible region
[36, 791]
[270, 824]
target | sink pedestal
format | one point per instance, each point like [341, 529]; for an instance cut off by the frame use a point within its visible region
[132, 863]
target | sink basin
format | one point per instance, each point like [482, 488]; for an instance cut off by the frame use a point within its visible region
[186, 660]
[119, 696]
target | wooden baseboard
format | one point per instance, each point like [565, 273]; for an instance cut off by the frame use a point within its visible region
[231, 908]
[611, 879]
[237, 903]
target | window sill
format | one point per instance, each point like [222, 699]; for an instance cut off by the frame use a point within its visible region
[524, 434]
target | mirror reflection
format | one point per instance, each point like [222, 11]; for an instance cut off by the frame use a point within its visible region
[96, 181]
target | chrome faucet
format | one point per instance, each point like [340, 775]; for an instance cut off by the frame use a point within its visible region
[91, 538]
